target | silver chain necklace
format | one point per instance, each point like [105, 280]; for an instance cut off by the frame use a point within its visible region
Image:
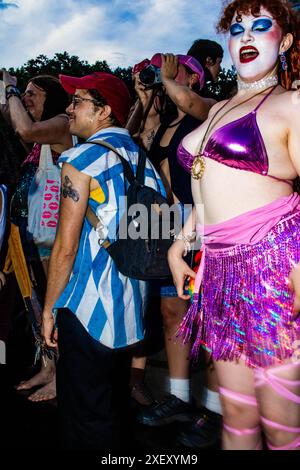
[266, 82]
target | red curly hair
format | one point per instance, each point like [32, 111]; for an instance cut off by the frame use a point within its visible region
[284, 15]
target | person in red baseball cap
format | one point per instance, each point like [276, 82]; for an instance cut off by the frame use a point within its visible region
[98, 311]
[111, 90]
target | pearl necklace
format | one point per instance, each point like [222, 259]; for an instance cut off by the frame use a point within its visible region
[266, 82]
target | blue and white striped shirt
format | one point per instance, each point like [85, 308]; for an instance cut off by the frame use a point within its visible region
[109, 305]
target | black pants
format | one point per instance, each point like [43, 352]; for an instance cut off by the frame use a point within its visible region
[92, 389]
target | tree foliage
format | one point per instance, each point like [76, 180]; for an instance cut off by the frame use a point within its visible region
[225, 86]
[63, 62]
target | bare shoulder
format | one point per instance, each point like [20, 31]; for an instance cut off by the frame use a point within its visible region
[293, 102]
[287, 107]
[72, 172]
[216, 106]
[210, 102]
[288, 101]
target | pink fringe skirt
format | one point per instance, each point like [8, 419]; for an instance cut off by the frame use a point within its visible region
[246, 303]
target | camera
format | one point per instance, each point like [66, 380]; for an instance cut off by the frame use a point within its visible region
[150, 76]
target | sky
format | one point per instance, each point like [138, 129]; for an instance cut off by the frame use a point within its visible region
[122, 32]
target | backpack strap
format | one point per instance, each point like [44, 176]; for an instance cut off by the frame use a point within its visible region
[140, 171]
[92, 218]
[94, 221]
[128, 173]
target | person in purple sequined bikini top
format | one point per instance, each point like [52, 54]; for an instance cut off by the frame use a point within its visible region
[238, 144]
[243, 161]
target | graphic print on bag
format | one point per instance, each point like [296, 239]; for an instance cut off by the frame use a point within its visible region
[43, 200]
[50, 204]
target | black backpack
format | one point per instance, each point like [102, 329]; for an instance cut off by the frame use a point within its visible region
[143, 258]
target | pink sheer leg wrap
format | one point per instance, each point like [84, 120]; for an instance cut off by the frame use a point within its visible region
[240, 397]
[247, 400]
[267, 377]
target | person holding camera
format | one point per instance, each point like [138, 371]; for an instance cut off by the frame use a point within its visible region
[182, 78]
[148, 111]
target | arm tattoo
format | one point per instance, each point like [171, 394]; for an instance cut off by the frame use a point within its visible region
[69, 191]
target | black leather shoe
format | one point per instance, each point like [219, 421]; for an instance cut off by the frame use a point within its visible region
[171, 410]
[204, 432]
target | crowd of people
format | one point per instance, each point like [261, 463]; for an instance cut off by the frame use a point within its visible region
[235, 162]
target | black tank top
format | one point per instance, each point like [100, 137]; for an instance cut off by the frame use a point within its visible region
[180, 179]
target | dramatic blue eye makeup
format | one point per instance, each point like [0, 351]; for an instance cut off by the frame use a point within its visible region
[262, 24]
[236, 29]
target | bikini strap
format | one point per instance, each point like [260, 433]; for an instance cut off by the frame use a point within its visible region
[214, 122]
[264, 99]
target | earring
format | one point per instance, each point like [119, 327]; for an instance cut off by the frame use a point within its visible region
[284, 65]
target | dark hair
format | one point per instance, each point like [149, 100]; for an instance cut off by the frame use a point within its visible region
[12, 153]
[160, 96]
[57, 99]
[284, 15]
[102, 102]
[201, 49]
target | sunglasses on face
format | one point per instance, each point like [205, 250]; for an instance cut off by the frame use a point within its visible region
[77, 100]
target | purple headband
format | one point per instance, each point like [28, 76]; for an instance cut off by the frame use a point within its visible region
[187, 60]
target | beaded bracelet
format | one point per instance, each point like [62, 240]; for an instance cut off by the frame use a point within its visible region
[186, 240]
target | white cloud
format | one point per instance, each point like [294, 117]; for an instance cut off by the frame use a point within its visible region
[122, 32]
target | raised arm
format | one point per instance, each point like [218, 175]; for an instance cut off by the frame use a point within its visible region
[51, 131]
[184, 98]
[74, 201]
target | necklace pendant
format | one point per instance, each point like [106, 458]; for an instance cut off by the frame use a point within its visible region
[198, 167]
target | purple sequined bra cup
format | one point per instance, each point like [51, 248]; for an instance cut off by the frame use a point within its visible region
[238, 144]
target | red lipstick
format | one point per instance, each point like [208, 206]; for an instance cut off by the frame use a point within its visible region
[248, 54]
